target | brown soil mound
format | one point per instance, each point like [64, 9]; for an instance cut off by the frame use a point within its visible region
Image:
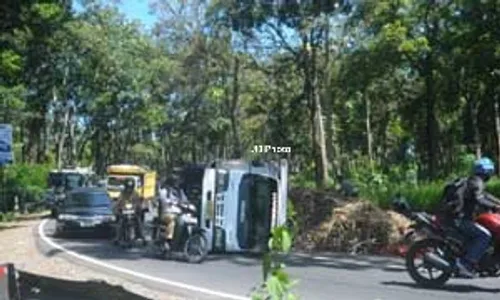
[330, 222]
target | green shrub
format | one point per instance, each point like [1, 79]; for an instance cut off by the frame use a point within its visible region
[7, 217]
[292, 219]
[493, 187]
[277, 283]
[26, 181]
[302, 181]
[423, 196]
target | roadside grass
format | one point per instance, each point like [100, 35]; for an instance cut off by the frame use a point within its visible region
[423, 196]
[7, 217]
[7, 220]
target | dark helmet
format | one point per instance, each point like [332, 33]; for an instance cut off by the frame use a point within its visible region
[484, 168]
[129, 185]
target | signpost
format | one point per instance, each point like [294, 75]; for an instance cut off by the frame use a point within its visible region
[6, 157]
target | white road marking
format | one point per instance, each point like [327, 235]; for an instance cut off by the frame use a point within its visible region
[176, 284]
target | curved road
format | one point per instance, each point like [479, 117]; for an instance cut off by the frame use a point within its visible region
[328, 277]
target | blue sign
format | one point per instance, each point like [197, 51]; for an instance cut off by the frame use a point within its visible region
[6, 155]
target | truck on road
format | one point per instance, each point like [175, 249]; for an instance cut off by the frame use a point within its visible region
[144, 178]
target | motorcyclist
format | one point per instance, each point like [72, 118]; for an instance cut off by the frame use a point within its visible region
[129, 196]
[473, 197]
[171, 199]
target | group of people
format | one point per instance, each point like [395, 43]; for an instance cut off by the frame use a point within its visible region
[170, 198]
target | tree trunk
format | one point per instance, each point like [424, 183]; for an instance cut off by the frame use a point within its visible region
[62, 135]
[328, 103]
[319, 132]
[321, 144]
[62, 138]
[431, 128]
[368, 127]
[194, 156]
[47, 133]
[40, 151]
[23, 141]
[98, 150]
[67, 108]
[309, 94]
[237, 151]
[474, 111]
[497, 128]
[71, 136]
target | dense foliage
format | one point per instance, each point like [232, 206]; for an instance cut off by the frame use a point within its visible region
[385, 92]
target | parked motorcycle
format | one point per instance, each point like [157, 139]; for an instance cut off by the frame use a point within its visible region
[435, 247]
[189, 239]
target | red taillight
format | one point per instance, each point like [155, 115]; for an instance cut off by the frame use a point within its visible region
[3, 271]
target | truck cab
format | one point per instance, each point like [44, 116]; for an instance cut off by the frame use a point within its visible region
[144, 178]
[241, 202]
[61, 181]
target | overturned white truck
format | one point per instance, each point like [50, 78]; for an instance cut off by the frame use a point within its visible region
[240, 202]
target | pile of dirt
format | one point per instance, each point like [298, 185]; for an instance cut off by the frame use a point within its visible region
[330, 222]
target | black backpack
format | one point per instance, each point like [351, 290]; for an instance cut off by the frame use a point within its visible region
[452, 201]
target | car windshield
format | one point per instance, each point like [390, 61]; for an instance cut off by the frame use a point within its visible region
[68, 180]
[88, 199]
[74, 181]
[118, 181]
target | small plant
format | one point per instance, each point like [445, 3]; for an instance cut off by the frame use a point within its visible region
[277, 283]
[292, 219]
[7, 217]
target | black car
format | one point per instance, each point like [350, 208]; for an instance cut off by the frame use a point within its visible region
[85, 209]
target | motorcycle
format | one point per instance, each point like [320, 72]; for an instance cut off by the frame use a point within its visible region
[189, 239]
[127, 225]
[436, 245]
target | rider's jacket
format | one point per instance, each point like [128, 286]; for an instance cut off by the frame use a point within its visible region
[170, 198]
[128, 197]
[475, 195]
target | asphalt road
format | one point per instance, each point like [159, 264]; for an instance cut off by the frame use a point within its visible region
[329, 277]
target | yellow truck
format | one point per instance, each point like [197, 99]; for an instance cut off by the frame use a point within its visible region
[145, 180]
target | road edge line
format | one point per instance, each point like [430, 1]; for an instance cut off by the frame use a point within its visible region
[98, 262]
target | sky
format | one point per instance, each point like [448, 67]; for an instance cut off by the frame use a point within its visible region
[133, 10]
[138, 9]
